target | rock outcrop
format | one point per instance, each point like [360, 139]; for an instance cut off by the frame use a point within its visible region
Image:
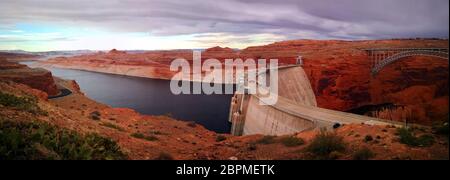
[37, 78]
[418, 84]
[5, 65]
[339, 72]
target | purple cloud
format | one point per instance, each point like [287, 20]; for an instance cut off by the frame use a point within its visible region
[343, 19]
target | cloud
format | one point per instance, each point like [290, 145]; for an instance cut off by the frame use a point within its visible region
[20, 36]
[246, 19]
[234, 40]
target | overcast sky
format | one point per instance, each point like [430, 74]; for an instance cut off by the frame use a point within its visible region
[38, 25]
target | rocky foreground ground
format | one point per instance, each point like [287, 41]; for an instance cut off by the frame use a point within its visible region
[76, 127]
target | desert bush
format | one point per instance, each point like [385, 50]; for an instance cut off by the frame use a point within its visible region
[111, 125]
[407, 137]
[157, 133]
[142, 136]
[27, 104]
[164, 156]
[138, 135]
[266, 140]
[192, 124]
[332, 156]
[169, 115]
[251, 147]
[95, 115]
[325, 143]
[368, 138]
[291, 141]
[220, 138]
[363, 154]
[44, 141]
[442, 128]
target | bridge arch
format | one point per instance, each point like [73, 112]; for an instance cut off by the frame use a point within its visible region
[381, 57]
[378, 67]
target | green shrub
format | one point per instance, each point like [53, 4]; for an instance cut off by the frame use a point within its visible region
[192, 124]
[332, 156]
[35, 140]
[251, 147]
[291, 141]
[169, 115]
[325, 143]
[27, 104]
[142, 136]
[266, 140]
[95, 115]
[407, 137]
[164, 156]
[138, 135]
[368, 138]
[363, 154]
[442, 128]
[157, 133]
[111, 125]
[220, 138]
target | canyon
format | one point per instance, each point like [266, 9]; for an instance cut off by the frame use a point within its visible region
[339, 72]
[162, 137]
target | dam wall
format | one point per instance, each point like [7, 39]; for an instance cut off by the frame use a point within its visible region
[295, 111]
[293, 84]
[269, 120]
[248, 116]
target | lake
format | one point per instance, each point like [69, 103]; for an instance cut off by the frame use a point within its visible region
[151, 97]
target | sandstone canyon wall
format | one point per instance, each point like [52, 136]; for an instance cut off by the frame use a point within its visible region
[339, 72]
[37, 78]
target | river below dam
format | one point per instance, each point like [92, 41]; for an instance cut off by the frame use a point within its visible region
[151, 97]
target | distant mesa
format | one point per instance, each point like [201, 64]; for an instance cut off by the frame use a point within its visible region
[220, 53]
[220, 49]
[115, 51]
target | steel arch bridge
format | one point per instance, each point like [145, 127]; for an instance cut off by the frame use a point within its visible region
[381, 57]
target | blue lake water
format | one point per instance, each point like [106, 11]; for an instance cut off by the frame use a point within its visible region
[151, 97]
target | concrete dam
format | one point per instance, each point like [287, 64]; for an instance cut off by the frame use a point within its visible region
[295, 111]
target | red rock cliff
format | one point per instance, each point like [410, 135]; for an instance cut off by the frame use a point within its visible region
[36, 78]
[339, 72]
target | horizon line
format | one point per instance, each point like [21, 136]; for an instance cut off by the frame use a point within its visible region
[348, 40]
